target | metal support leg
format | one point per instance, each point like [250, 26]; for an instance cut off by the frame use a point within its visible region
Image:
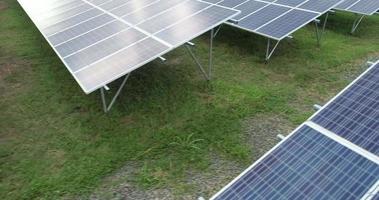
[206, 74]
[318, 33]
[217, 30]
[356, 23]
[106, 107]
[270, 51]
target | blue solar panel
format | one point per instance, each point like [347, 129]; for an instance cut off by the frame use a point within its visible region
[354, 115]
[365, 7]
[308, 165]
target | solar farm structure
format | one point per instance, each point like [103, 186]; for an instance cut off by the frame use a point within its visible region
[333, 155]
[278, 19]
[361, 8]
[100, 41]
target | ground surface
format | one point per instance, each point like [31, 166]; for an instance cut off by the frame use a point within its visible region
[171, 135]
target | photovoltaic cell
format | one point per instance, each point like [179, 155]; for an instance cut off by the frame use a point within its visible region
[308, 165]
[354, 114]
[102, 40]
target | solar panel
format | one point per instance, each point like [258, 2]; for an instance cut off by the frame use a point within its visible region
[307, 165]
[364, 7]
[286, 16]
[102, 40]
[354, 114]
[334, 155]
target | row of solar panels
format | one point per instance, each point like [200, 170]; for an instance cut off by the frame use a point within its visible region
[277, 19]
[101, 40]
[334, 155]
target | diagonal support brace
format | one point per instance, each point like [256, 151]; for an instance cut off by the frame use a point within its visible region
[269, 50]
[319, 33]
[356, 23]
[207, 73]
[106, 107]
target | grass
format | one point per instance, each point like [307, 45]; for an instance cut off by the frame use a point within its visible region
[55, 142]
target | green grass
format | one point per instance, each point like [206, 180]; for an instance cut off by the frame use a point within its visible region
[56, 142]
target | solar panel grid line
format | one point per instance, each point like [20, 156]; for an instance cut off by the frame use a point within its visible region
[40, 13]
[286, 33]
[292, 7]
[367, 9]
[357, 149]
[56, 52]
[159, 13]
[79, 35]
[268, 4]
[97, 42]
[179, 21]
[110, 55]
[353, 4]
[66, 28]
[50, 22]
[374, 190]
[65, 63]
[311, 164]
[138, 9]
[334, 190]
[91, 89]
[357, 111]
[122, 20]
[282, 176]
[257, 161]
[150, 11]
[361, 123]
[52, 12]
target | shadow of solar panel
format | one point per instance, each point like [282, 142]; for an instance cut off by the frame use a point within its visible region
[354, 115]
[308, 165]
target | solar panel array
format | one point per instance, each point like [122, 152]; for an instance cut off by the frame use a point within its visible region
[102, 40]
[276, 19]
[354, 114]
[332, 156]
[308, 165]
[364, 7]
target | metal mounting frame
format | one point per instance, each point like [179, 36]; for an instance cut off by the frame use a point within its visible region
[356, 23]
[269, 50]
[207, 75]
[107, 107]
[319, 33]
